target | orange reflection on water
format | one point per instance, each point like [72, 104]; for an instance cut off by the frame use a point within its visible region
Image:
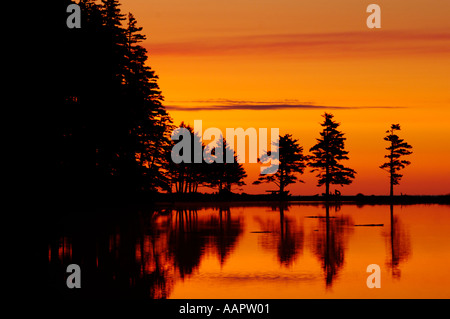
[262, 250]
[64, 249]
[294, 252]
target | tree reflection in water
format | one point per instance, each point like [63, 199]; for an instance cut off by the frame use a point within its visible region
[190, 237]
[398, 243]
[138, 254]
[285, 236]
[143, 253]
[329, 243]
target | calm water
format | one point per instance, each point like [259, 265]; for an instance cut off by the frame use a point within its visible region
[258, 251]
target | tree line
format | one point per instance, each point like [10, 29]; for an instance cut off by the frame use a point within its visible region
[327, 156]
[325, 159]
[109, 110]
[109, 107]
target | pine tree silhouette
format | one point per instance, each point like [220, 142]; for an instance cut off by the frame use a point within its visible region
[109, 108]
[397, 148]
[187, 177]
[224, 175]
[291, 164]
[327, 154]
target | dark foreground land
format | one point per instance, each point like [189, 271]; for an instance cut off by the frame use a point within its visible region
[62, 205]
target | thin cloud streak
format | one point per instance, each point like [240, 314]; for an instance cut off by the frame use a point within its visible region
[329, 44]
[226, 105]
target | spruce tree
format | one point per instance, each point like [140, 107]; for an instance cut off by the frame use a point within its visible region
[186, 177]
[397, 148]
[151, 124]
[224, 175]
[291, 164]
[328, 152]
[114, 105]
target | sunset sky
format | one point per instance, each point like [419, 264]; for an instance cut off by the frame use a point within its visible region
[282, 64]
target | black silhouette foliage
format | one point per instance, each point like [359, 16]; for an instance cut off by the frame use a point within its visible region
[327, 155]
[291, 164]
[397, 149]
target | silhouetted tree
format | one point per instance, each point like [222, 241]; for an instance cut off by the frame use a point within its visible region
[109, 107]
[139, 78]
[153, 125]
[151, 154]
[186, 177]
[291, 163]
[91, 14]
[327, 154]
[397, 148]
[112, 25]
[224, 175]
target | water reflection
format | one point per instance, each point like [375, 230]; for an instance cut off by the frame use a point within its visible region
[186, 241]
[141, 254]
[330, 243]
[399, 244]
[173, 251]
[156, 273]
[225, 232]
[189, 237]
[285, 236]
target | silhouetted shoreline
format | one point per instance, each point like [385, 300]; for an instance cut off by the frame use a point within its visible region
[357, 199]
[112, 202]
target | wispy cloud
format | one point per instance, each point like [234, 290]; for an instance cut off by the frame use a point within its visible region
[329, 44]
[225, 104]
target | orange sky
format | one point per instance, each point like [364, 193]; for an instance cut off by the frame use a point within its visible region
[300, 58]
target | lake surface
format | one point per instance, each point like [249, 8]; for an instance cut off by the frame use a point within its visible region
[252, 250]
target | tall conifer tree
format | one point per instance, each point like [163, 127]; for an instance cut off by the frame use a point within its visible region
[291, 164]
[328, 152]
[397, 149]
